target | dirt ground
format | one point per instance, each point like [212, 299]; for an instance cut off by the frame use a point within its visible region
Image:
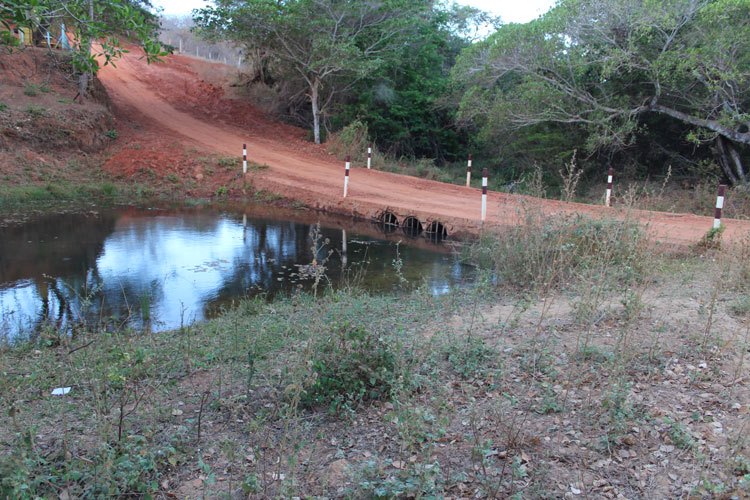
[683, 415]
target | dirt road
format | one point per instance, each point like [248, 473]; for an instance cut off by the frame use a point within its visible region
[170, 100]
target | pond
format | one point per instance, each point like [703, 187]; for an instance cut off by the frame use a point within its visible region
[161, 268]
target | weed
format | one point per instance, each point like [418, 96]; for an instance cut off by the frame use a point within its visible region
[471, 358]
[255, 167]
[679, 434]
[712, 238]
[266, 196]
[109, 189]
[416, 481]
[554, 251]
[570, 175]
[173, 178]
[35, 111]
[351, 365]
[31, 91]
[228, 162]
[549, 403]
[112, 134]
[740, 307]
[3, 106]
[619, 410]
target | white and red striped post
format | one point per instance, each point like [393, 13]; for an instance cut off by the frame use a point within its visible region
[244, 158]
[468, 172]
[484, 194]
[369, 157]
[719, 206]
[608, 198]
[346, 175]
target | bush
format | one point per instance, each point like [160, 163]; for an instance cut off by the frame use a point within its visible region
[557, 250]
[351, 365]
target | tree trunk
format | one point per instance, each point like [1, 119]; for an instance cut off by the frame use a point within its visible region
[735, 156]
[83, 84]
[86, 76]
[721, 152]
[314, 96]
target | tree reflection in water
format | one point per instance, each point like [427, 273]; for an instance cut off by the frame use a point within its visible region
[160, 269]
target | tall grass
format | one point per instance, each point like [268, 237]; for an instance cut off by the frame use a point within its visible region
[544, 252]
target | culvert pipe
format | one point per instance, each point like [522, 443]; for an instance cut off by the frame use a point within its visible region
[387, 221]
[412, 227]
[436, 230]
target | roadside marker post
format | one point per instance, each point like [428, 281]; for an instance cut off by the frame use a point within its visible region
[608, 198]
[719, 206]
[369, 157]
[484, 194]
[244, 158]
[346, 175]
[468, 172]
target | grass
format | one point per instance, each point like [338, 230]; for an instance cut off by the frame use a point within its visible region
[12, 197]
[341, 394]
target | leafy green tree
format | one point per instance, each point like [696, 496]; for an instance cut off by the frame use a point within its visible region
[404, 101]
[326, 43]
[603, 66]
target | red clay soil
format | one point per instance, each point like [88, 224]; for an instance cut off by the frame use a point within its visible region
[170, 105]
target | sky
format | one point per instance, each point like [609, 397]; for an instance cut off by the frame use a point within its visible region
[511, 11]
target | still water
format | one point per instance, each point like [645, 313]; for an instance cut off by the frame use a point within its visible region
[162, 268]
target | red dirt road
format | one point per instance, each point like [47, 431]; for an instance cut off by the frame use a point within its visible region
[170, 101]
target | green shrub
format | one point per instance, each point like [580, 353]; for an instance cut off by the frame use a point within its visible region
[126, 469]
[471, 358]
[419, 480]
[351, 365]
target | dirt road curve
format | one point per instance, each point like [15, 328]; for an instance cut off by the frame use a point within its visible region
[170, 100]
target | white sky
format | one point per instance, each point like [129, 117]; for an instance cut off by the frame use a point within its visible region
[511, 11]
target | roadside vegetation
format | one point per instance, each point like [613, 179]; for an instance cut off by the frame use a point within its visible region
[585, 362]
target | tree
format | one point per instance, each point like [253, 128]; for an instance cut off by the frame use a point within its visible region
[604, 64]
[404, 102]
[88, 20]
[326, 43]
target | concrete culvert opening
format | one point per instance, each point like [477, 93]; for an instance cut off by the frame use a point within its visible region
[436, 230]
[388, 222]
[412, 227]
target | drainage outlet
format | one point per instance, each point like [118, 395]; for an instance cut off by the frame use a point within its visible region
[436, 230]
[412, 227]
[387, 222]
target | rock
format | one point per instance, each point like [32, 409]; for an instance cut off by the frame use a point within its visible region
[337, 472]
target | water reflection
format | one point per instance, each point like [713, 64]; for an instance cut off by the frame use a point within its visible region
[161, 269]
